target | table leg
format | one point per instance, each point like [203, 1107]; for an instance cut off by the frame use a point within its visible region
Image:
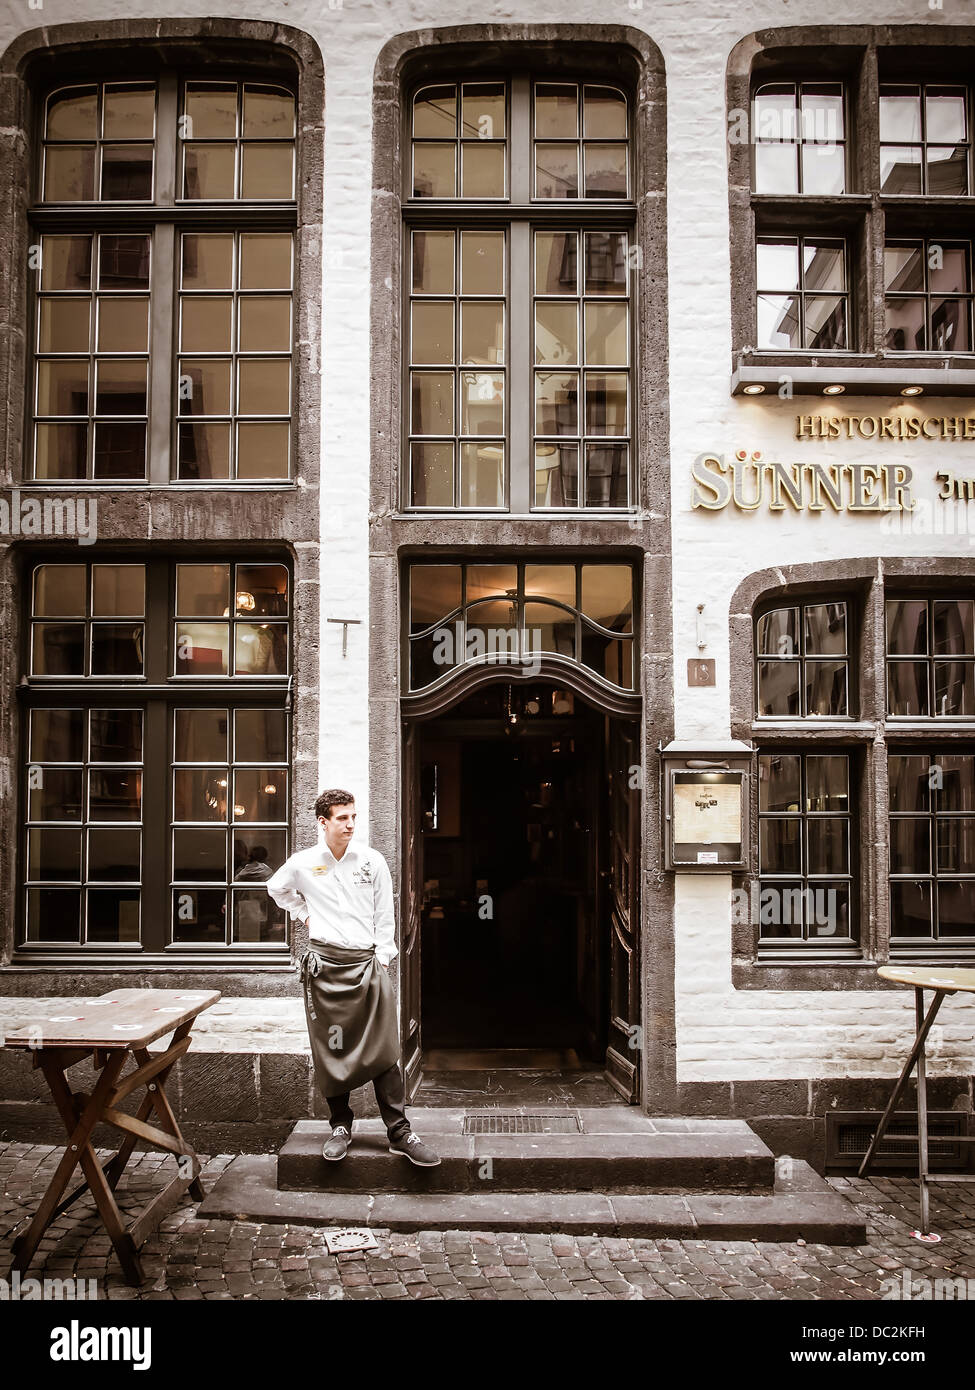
[916, 1051]
[78, 1150]
[159, 1101]
[922, 1115]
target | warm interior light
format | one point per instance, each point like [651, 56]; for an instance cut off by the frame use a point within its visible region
[245, 602]
[239, 810]
[913, 391]
[833, 390]
[270, 789]
[754, 390]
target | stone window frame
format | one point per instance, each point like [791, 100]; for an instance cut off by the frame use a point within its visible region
[866, 735]
[396, 536]
[41, 60]
[860, 56]
[174, 512]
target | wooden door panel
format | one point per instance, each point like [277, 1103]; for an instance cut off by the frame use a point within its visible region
[409, 957]
[623, 1052]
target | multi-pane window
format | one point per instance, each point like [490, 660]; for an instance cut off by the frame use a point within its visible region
[118, 286]
[928, 289]
[520, 363]
[932, 847]
[229, 823]
[237, 141]
[98, 143]
[582, 358]
[157, 794]
[457, 368]
[803, 293]
[803, 661]
[459, 148]
[84, 825]
[231, 620]
[805, 847]
[88, 620]
[235, 363]
[931, 657]
[517, 613]
[799, 138]
[92, 364]
[580, 136]
[924, 139]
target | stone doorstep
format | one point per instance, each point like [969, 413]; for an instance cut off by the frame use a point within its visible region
[807, 1208]
[628, 1153]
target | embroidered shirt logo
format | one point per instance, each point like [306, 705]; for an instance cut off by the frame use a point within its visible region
[362, 877]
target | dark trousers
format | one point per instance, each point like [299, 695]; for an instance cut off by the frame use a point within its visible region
[390, 1097]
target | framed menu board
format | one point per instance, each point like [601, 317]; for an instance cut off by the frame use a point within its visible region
[706, 818]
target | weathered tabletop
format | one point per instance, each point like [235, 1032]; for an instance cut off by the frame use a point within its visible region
[126, 1018]
[928, 977]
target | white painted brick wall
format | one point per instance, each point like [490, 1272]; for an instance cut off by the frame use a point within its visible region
[721, 1033]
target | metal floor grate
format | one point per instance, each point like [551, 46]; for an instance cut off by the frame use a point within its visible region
[855, 1139]
[515, 1122]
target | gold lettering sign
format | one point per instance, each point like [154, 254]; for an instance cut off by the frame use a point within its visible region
[894, 427]
[749, 482]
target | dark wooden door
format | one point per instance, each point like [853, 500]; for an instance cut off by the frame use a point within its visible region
[412, 899]
[621, 909]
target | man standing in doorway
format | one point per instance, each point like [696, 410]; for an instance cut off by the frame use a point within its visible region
[345, 894]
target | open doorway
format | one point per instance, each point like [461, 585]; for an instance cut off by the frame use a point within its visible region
[519, 901]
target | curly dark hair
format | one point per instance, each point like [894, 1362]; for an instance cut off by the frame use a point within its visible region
[333, 797]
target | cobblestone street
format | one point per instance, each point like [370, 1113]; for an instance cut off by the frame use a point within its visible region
[192, 1259]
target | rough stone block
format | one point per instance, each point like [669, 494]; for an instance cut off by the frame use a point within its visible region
[284, 1080]
[218, 1086]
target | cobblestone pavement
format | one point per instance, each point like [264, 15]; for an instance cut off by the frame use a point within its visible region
[191, 1259]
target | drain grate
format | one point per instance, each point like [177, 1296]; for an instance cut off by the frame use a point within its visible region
[515, 1122]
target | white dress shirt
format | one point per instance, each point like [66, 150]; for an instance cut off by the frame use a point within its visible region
[346, 902]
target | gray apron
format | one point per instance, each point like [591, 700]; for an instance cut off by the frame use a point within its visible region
[351, 1014]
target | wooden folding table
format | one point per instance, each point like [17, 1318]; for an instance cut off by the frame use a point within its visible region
[109, 1029]
[943, 982]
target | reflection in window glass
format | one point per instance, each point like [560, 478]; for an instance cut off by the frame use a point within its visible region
[928, 296]
[931, 657]
[799, 138]
[932, 847]
[791, 681]
[806, 884]
[802, 293]
[924, 139]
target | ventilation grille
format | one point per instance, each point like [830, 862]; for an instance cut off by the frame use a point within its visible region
[855, 1139]
[515, 1122]
[848, 1138]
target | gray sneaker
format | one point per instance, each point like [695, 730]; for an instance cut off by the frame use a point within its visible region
[411, 1146]
[338, 1146]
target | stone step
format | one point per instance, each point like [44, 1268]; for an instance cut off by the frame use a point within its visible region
[803, 1208]
[617, 1149]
